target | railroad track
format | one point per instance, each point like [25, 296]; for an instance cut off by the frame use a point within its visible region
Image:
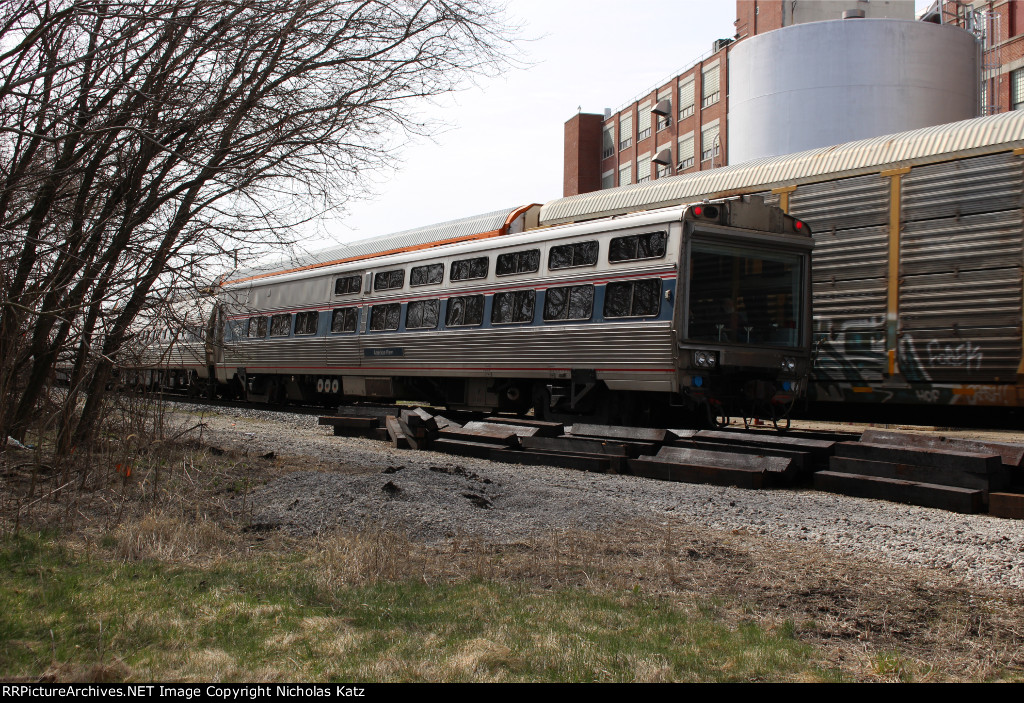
[961, 475]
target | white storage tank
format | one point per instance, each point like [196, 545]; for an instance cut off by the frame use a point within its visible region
[812, 85]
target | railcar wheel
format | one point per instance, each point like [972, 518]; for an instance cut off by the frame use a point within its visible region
[717, 417]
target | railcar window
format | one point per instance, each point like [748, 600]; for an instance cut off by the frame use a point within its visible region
[513, 306]
[257, 327]
[348, 285]
[388, 280]
[306, 322]
[518, 262]
[280, 325]
[468, 269]
[573, 255]
[633, 298]
[744, 295]
[385, 317]
[426, 275]
[569, 303]
[344, 320]
[650, 245]
[465, 310]
[422, 314]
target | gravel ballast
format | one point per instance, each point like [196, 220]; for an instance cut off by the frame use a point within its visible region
[358, 483]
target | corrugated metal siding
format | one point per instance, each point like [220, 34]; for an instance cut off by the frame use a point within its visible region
[987, 355]
[953, 244]
[848, 218]
[966, 186]
[842, 204]
[960, 266]
[984, 135]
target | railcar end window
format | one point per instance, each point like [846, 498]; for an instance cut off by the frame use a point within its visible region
[650, 245]
[518, 262]
[426, 275]
[633, 298]
[464, 311]
[569, 303]
[389, 280]
[306, 322]
[422, 314]
[573, 255]
[257, 327]
[513, 307]
[348, 285]
[281, 325]
[345, 320]
[385, 317]
[468, 269]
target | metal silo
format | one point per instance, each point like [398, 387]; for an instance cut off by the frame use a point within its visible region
[821, 83]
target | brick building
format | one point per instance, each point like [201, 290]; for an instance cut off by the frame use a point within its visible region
[681, 126]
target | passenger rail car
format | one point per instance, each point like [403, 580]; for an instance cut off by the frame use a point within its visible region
[702, 306]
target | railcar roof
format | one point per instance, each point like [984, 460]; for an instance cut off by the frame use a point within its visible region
[983, 135]
[490, 223]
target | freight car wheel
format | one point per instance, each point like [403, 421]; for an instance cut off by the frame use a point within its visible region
[717, 417]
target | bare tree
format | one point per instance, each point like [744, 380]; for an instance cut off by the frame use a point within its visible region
[141, 139]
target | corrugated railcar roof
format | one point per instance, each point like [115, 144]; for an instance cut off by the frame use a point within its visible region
[983, 135]
[367, 248]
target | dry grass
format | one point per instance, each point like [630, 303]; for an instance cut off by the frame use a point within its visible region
[185, 505]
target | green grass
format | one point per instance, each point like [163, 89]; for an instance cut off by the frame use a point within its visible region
[87, 615]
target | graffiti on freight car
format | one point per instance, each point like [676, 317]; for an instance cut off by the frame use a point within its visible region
[851, 349]
[966, 355]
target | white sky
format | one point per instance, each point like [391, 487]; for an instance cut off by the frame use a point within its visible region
[504, 145]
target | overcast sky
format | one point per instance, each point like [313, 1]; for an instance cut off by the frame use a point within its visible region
[503, 147]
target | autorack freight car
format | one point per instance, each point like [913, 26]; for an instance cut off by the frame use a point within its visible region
[919, 243]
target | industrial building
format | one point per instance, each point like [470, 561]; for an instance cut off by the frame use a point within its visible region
[803, 74]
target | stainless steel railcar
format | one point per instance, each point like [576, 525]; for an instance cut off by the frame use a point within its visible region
[703, 306]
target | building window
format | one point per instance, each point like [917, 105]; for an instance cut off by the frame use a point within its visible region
[686, 99]
[709, 89]
[644, 122]
[625, 132]
[643, 168]
[608, 141]
[664, 170]
[608, 180]
[686, 152]
[625, 174]
[709, 142]
[1017, 88]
